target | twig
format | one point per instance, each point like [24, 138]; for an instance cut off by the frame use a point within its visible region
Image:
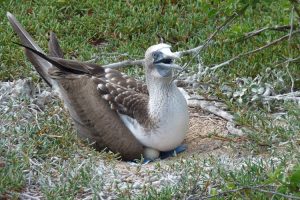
[125, 63]
[253, 51]
[232, 130]
[140, 62]
[289, 60]
[295, 96]
[189, 51]
[205, 99]
[257, 32]
[205, 105]
[276, 193]
[197, 50]
[256, 188]
[291, 24]
[291, 77]
[290, 36]
[27, 196]
[295, 3]
[197, 101]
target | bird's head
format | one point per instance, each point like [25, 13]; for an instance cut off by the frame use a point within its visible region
[159, 61]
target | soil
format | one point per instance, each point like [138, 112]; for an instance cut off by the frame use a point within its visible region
[205, 132]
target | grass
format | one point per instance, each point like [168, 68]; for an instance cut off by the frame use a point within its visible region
[45, 157]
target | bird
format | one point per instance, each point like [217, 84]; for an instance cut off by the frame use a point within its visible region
[110, 109]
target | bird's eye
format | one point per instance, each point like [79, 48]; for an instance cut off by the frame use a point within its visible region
[155, 55]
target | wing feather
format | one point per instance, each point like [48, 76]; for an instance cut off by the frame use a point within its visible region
[116, 77]
[128, 101]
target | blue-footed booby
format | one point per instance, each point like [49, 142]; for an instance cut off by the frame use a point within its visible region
[109, 108]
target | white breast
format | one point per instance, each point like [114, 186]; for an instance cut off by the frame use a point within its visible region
[171, 128]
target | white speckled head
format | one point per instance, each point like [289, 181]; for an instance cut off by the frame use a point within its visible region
[157, 47]
[159, 60]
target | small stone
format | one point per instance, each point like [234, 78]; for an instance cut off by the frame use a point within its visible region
[23, 88]
[156, 183]
[196, 85]
[2, 164]
[43, 99]
[153, 178]
[5, 86]
[123, 186]
[137, 185]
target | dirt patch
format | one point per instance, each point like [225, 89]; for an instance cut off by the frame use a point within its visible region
[205, 132]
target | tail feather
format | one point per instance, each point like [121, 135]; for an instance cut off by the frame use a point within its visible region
[67, 66]
[53, 46]
[40, 64]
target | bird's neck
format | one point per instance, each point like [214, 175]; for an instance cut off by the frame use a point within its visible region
[162, 94]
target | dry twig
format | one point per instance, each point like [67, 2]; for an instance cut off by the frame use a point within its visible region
[294, 96]
[255, 188]
[290, 36]
[196, 51]
[207, 106]
[253, 51]
[189, 51]
[125, 63]
[231, 127]
[295, 3]
[276, 193]
[289, 60]
[198, 101]
[28, 196]
[257, 32]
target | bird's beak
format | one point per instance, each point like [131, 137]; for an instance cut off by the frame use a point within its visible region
[166, 59]
[164, 62]
[168, 53]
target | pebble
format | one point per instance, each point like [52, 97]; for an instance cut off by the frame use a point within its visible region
[156, 183]
[23, 88]
[153, 178]
[137, 185]
[43, 99]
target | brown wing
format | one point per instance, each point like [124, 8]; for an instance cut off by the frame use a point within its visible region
[115, 77]
[94, 118]
[123, 93]
[92, 115]
[124, 99]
